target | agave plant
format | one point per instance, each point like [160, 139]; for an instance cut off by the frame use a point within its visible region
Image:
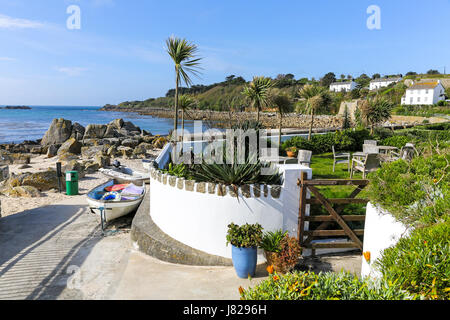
[271, 240]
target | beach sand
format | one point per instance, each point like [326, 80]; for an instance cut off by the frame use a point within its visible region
[10, 206]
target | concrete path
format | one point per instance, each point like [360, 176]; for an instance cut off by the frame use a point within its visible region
[59, 252]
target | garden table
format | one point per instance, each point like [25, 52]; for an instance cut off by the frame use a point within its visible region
[280, 159]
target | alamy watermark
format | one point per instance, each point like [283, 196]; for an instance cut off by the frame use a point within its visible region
[374, 20]
[74, 20]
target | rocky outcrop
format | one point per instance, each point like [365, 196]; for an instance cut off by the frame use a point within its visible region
[95, 131]
[70, 146]
[60, 130]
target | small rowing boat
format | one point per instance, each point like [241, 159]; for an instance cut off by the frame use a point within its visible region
[126, 175]
[114, 199]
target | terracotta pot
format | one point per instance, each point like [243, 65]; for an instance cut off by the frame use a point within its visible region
[270, 257]
[291, 154]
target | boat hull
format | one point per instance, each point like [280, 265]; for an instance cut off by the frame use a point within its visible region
[114, 209]
[126, 175]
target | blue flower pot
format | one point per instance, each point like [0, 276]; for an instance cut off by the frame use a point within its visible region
[244, 261]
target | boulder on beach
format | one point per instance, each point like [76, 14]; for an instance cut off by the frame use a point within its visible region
[43, 181]
[74, 166]
[52, 150]
[160, 142]
[22, 191]
[95, 131]
[77, 131]
[70, 146]
[59, 131]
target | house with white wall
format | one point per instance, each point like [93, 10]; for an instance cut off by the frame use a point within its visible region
[424, 93]
[381, 83]
[343, 86]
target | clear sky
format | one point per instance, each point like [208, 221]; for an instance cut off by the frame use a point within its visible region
[118, 53]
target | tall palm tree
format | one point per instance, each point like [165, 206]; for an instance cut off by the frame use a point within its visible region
[283, 105]
[317, 98]
[185, 102]
[184, 56]
[257, 93]
[375, 111]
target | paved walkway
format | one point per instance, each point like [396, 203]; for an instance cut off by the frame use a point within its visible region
[59, 252]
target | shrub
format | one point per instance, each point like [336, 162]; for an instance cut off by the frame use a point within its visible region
[415, 193]
[245, 236]
[420, 263]
[288, 255]
[396, 141]
[323, 286]
[271, 240]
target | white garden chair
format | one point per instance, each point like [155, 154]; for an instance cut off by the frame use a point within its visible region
[370, 163]
[342, 157]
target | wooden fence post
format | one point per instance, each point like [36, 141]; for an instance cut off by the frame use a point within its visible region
[302, 207]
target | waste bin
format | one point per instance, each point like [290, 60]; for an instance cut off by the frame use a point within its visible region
[72, 183]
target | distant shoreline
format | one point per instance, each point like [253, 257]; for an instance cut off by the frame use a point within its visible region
[16, 108]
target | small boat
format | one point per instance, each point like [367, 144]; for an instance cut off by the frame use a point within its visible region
[124, 174]
[114, 199]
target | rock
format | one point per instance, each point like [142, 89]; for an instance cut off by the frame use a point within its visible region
[43, 181]
[112, 131]
[126, 152]
[66, 157]
[92, 168]
[60, 130]
[77, 131]
[23, 191]
[52, 150]
[4, 173]
[95, 131]
[112, 152]
[102, 161]
[36, 150]
[91, 151]
[74, 166]
[70, 146]
[19, 158]
[160, 142]
[132, 143]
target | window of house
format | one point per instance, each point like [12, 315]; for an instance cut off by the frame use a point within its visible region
[418, 99]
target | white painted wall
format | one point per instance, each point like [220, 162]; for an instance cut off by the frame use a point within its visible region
[374, 85]
[423, 96]
[344, 86]
[200, 220]
[381, 231]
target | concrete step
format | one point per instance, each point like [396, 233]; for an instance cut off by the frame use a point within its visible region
[151, 240]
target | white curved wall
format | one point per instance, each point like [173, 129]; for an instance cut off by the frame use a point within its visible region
[381, 231]
[199, 219]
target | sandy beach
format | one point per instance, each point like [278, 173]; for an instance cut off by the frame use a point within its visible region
[10, 206]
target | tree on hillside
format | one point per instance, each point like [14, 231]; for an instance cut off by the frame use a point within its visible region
[433, 72]
[342, 76]
[376, 76]
[375, 111]
[328, 79]
[317, 98]
[411, 73]
[184, 56]
[283, 105]
[257, 93]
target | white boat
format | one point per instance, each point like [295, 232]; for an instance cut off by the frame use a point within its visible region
[125, 175]
[112, 205]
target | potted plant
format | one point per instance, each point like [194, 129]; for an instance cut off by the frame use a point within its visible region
[292, 152]
[244, 241]
[271, 244]
[282, 251]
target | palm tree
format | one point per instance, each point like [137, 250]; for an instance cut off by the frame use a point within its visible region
[257, 93]
[184, 56]
[375, 111]
[185, 102]
[317, 98]
[283, 105]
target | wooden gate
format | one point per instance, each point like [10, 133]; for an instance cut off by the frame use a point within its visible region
[306, 237]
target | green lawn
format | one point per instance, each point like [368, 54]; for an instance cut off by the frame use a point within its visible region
[322, 168]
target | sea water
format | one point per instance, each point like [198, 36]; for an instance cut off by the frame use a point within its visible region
[18, 125]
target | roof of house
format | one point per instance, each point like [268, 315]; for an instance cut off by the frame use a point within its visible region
[386, 79]
[424, 85]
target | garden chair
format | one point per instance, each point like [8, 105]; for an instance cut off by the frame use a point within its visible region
[303, 157]
[407, 153]
[370, 148]
[371, 142]
[340, 158]
[370, 163]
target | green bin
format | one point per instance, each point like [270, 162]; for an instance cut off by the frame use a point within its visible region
[72, 183]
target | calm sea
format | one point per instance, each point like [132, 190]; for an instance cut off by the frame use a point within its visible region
[19, 125]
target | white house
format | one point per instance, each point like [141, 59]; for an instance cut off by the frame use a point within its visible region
[343, 86]
[381, 83]
[424, 93]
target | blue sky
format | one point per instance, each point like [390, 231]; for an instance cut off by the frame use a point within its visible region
[118, 54]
